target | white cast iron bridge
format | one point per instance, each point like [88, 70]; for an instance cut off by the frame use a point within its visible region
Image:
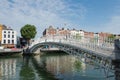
[102, 52]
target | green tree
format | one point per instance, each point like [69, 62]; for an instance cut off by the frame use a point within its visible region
[28, 32]
[110, 38]
[78, 36]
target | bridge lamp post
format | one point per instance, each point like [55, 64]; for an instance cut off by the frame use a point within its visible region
[103, 42]
[94, 42]
[108, 44]
[111, 42]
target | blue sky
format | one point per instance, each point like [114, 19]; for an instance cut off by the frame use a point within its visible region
[88, 15]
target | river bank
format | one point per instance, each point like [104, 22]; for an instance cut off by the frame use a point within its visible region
[4, 52]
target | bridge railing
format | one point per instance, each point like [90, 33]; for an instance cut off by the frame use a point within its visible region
[104, 46]
[90, 46]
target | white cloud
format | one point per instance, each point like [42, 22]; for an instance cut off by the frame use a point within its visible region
[41, 13]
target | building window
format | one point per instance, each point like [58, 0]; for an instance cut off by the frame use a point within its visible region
[4, 41]
[12, 41]
[4, 31]
[8, 41]
[13, 32]
[4, 36]
[8, 31]
[12, 36]
[8, 36]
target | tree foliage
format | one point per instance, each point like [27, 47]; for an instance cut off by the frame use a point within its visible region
[111, 36]
[28, 31]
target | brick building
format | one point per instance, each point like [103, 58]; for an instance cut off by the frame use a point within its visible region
[49, 31]
[78, 34]
[63, 32]
[88, 34]
[56, 32]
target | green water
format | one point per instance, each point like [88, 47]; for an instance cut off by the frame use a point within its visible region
[50, 66]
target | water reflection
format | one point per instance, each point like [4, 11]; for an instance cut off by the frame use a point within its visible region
[27, 71]
[54, 67]
[79, 66]
[68, 67]
[41, 70]
[7, 68]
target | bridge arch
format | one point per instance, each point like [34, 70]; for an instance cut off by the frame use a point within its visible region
[38, 45]
[76, 47]
[79, 52]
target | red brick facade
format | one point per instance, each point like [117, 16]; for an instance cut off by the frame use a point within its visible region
[52, 31]
[63, 32]
[49, 31]
[88, 34]
[66, 32]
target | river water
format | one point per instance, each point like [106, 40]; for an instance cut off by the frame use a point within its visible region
[51, 66]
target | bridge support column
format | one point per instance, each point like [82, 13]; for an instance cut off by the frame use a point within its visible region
[116, 62]
[117, 69]
[117, 49]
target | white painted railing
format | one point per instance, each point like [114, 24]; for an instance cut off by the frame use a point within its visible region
[104, 47]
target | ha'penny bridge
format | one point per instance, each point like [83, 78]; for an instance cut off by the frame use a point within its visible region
[101, 52]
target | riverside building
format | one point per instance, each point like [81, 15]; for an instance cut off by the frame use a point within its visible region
[9, 37]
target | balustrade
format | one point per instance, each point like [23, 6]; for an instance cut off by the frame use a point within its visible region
[104, 46]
